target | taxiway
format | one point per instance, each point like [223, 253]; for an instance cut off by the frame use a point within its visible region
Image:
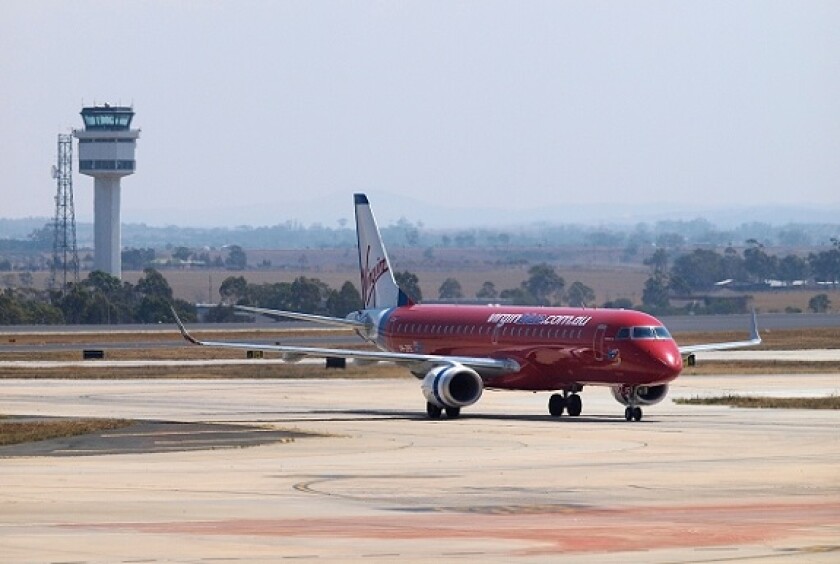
[382, 483]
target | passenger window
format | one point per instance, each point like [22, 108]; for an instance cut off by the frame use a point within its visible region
[623, 333]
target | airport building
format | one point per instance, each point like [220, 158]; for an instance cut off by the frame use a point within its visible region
[106, 152]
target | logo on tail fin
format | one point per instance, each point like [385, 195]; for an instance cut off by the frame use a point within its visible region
[370, 276]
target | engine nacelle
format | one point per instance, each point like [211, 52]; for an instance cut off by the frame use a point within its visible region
[452, 386]
[639, 395]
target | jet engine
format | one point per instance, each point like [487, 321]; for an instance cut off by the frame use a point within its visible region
[639, 395]
[452, 385]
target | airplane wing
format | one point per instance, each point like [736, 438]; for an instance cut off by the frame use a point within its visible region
[754, 339]
[486, 365]
[335, 321]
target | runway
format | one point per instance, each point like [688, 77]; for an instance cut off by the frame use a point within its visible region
[688, 483]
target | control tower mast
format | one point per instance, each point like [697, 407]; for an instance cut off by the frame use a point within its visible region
[106, 152]
[65, 253]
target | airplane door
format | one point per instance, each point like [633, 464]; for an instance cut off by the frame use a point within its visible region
[494, 338]
[598, 341]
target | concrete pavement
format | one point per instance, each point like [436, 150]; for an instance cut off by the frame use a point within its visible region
[688, 483]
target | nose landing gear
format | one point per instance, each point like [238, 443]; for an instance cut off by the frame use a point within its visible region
[633, 413]
[435, 411]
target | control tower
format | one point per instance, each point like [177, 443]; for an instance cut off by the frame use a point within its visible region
[106, 152]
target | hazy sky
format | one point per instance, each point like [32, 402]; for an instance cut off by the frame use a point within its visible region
[279, 106]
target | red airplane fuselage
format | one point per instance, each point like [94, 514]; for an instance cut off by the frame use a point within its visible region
[557, 348]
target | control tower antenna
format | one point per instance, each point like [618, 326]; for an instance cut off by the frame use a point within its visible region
[106, 152]
[64, 267]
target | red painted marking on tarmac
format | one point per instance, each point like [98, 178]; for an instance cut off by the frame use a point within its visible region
[585, 530]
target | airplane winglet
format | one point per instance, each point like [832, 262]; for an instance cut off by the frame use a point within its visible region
[754, 339]
[754, 336]
[184, 332]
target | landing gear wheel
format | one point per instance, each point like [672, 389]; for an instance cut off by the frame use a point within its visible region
[574, 405]
[453, 412]
[633, 413]
[433, 411]
[556, 405]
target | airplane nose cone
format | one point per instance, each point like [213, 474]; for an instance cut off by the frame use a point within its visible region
[672, 361]
[663, 360]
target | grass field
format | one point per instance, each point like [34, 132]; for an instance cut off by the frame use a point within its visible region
[15, 432]
[829, 402]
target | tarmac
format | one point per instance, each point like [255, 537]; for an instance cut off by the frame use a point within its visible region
[800, 355]
[356, 473]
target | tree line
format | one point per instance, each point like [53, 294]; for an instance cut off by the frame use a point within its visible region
[310, 295]
[703, 270]
[98, 299]
[103, 299]
[543, 287]
[303, 294]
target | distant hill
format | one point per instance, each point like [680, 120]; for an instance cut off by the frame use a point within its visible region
[21, 228]
[390, 207]
[408, 222]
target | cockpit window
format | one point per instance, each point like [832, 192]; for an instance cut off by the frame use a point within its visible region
[643, 333]
[658, 332]
[661, 333]
[623, 333]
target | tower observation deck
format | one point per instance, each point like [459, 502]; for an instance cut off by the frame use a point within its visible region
[106, 152]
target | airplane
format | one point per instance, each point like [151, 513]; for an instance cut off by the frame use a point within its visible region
[458, 351]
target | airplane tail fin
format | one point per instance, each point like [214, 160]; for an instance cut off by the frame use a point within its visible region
[379, 289]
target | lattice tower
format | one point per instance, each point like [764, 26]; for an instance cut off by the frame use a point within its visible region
[65, 261]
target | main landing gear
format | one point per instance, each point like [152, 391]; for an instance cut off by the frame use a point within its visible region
[568, 402]
[633, 413]
[435, 411]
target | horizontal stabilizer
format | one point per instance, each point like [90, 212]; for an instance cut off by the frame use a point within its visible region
[322, 319]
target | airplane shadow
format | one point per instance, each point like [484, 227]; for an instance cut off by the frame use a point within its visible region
[421, 417]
